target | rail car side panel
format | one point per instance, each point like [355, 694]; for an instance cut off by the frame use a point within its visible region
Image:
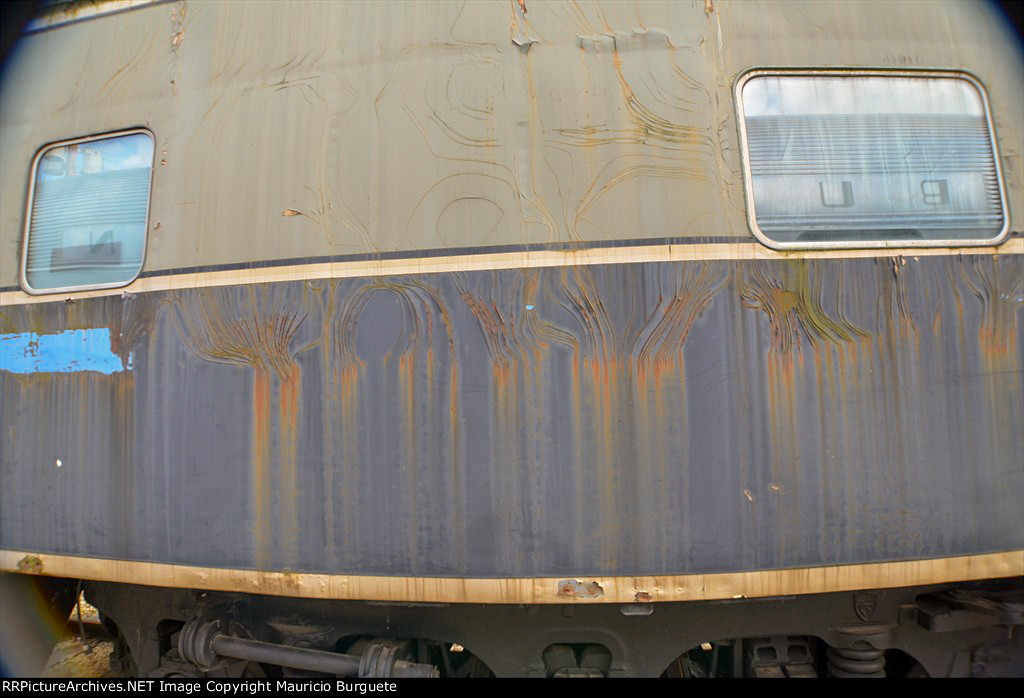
[644, 418]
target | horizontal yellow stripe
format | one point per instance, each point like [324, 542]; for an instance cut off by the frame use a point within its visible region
[690, 587]
[503, 260]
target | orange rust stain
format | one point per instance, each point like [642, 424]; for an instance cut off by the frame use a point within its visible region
[349, 403]
[288, 392]
[577, 436]
[260, 463]
[349, 389]
[289, 395]
[1001, 293]
[453, 401]
[494, 332]
[407, 385]
[453, 411]
[330, 389]
[996, 342]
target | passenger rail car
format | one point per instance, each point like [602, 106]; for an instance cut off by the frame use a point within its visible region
[517, 338]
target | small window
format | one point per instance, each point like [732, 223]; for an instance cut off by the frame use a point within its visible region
[88, 211]
[869, 159]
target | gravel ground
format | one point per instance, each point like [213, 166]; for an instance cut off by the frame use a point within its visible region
[72, 658]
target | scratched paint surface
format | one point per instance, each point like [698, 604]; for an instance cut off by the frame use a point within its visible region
[619, 419]
[348, 127]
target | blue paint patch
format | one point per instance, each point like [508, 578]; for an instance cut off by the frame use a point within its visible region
[66, 352]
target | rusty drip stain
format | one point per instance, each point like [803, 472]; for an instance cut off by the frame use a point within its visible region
[345, 360]
[793, 306]
[253, 327]
[596, 327]
[288, 498]
[346, 369]
[247, 327]
[407, 385]
[490, 322]
[648, 124]
[453, 412]
[350, 429]
[906, 326]
[597, 381]
[1001, 295]
[327, 411]
[782, 387]
[823, 373]
[659, 344]
[260, 455]
[417, 302]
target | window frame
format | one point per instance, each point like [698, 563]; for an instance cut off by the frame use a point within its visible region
[751, 73]
[23, 266]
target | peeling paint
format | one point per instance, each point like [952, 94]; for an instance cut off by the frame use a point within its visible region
[68, 351]
[30, 564]
[575, 589]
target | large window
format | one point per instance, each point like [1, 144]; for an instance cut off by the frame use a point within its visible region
[88, 212]
[869, 159]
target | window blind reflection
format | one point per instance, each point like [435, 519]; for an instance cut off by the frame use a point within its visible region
[89, 212]
[870, 158]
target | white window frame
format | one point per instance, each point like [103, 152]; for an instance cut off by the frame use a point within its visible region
[752, 73]
[23, 269]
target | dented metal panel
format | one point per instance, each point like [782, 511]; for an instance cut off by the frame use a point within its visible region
[657, 418]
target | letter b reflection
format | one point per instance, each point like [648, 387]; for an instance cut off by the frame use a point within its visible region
[847, 195]
[935, 192]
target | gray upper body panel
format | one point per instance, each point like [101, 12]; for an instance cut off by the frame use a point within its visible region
[289, 131]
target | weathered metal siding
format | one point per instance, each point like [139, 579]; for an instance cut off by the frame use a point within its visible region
[618, 419]
[342, 127]
[635, 418]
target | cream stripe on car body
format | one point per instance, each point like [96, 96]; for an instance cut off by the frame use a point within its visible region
[503, 260]
[525, 590]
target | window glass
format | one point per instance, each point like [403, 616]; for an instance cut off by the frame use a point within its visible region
[88, 213]
[846, 159]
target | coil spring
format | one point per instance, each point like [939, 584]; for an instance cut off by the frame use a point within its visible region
[856, 663]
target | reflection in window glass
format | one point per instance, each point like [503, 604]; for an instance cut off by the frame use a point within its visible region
[870, 158]
[88, 213]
